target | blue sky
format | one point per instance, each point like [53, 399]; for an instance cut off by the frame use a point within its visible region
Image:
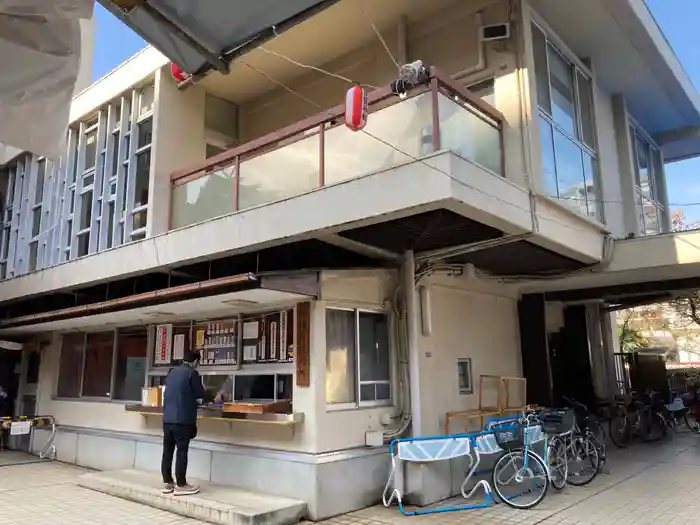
[114, 43]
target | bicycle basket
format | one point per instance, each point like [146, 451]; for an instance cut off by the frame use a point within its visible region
[557, 421]
[509, 436]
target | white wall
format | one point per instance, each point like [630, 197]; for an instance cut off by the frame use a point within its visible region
[470, 319]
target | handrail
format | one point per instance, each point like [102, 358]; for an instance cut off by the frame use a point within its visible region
[232, 156]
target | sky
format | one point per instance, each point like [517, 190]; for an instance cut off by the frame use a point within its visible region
[114, 43]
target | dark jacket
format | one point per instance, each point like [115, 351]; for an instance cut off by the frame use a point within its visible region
[183, 387]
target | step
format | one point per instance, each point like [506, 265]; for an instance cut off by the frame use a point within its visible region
[214, 504]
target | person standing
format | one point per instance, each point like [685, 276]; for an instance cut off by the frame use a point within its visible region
[183, 394]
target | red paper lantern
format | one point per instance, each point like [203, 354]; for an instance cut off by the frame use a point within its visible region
[177, 72]
[356, 108]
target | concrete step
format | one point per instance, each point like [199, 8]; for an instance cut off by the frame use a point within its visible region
[214, 504]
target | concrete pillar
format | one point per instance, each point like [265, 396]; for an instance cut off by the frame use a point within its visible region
[627, 165]
[178, 142]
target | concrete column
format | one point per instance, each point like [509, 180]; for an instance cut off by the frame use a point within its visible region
[627, 165]
[178, 142]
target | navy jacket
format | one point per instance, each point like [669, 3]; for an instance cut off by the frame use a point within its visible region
[183, 386]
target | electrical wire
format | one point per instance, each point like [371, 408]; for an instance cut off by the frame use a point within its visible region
[313, 68]
[412, 157]
[379, 35]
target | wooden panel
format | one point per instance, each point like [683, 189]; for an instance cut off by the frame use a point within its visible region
[303, 349]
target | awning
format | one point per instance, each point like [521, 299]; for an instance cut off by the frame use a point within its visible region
[40, 59]
[200, 36]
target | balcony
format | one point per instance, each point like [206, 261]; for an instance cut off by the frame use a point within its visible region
[320, 151]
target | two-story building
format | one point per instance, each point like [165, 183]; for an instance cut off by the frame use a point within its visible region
[474, 226]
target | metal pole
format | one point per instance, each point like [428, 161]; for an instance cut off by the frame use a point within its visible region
[409, 285]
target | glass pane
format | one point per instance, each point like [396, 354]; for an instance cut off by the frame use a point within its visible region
[39, 195]
[115, 154]
[640, 212]
[145, 133]
[89, 180]
[549, 175]
[90, 149]
[368, 392]
[140, 220]
[33, 249]
[406, 126]
[146, 100]
[281, 173]
[85, 209]
[36, 221]
[466, 134]
[83, 244]
[651, 217]
[97, 374]
[539, 44]
[590, 172]
[69, 232]
[131, 364]
[205, 198]
[143, 168]
[70, 368]
[561, 79]
[340, 357]
[71, 209]
[643, 180]
[110, 224]
[570, 178]
[383, 391]
[585, 95]
[374, 347]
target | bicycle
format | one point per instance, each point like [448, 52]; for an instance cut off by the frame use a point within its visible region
[632, 417]
[515, 436]
[568, 446]
[588, 424]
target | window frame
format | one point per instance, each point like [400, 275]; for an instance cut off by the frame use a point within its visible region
[358, 403]
[113, 371]
[637, 134]
[576, 67]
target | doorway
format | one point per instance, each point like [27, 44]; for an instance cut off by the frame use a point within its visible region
[10, 367]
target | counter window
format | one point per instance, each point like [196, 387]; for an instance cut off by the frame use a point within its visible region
[89, 368]
[357, 358]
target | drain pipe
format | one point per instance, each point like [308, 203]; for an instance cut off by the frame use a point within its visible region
[409, 285]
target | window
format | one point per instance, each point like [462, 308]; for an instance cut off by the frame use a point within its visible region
[70, 369]
[97, 372]
[115, 154]
[464, 375]
[567, 130]
[108, 364]
[145, 132]
[143, 167]
[36, 221]
[130, 363]
[85, 209]
[33, 253]
[83, 244]
[110, 224]
[649, 184]
[357, 358]
[41, 173]
[90, 149]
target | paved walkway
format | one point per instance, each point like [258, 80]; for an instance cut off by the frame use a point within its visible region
[657, 484]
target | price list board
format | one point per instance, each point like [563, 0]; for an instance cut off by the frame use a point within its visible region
[269, 338]
[217, 342]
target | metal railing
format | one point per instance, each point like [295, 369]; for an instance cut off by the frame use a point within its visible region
[320, 150]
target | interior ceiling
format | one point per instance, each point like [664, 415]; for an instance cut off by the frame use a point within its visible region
[341, 28]
[626, 60]
[246, 301]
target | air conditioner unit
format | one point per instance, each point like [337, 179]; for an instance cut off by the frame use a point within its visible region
[494, 32]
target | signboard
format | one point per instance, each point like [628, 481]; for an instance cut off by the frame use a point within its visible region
[20, 428]
[164, 342]
[303, 350]
[179, 347]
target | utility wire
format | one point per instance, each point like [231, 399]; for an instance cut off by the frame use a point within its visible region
[379, 35]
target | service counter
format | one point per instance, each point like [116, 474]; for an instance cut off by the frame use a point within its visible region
[218, 412]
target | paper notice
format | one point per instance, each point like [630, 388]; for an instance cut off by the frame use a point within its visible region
[179, 346]
[250, 352]
[251, 330]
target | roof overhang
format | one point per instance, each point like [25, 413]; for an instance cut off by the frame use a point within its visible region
[630, 55]
[204, 36]
[40, 45]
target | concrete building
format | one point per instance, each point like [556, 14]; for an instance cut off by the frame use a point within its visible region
[353, 273]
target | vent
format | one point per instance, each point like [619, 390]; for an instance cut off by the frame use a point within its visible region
[494, 32]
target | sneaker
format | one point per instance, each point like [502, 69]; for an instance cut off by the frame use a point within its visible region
[186, 490]
[168, 488]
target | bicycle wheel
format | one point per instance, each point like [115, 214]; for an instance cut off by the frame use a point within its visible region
[520, 479]
[583, 460]
[620, 428]
[557, 463]
[652, 426]
[690, 421]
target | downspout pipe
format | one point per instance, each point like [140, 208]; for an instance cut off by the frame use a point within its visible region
[409, 276]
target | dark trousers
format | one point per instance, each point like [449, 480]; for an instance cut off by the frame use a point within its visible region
[176, 436]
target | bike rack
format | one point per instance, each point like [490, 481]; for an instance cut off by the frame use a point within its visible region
[48, 451]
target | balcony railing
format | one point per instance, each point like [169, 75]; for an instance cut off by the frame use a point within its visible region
[321, 151]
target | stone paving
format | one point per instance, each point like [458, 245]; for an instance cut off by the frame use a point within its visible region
[648, 484]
